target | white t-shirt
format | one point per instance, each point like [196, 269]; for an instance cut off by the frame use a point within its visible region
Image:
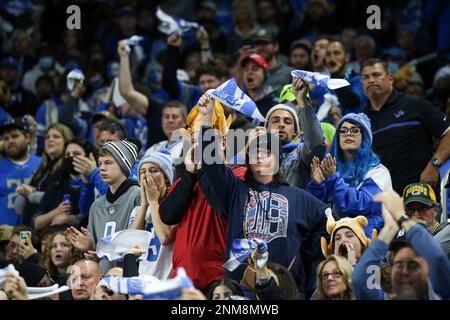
[159, 259]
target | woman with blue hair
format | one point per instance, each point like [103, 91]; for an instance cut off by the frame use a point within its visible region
[351, 174]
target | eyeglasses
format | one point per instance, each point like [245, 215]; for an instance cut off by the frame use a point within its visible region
[421, 209]
[354, 131]
[411, 266]
[334, 275]
[263, 153]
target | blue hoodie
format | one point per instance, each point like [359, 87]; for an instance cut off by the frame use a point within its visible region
[286, 218]
[351, 200]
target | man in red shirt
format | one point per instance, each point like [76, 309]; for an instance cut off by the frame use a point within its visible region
[201, 232]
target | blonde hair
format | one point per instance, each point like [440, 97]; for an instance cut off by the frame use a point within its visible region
[345, 267]
[47, 164]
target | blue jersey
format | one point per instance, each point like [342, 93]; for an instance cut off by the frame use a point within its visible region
[11, 176]
[137, 129]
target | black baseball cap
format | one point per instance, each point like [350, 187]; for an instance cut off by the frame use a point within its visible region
[15, 123]
[400, 241]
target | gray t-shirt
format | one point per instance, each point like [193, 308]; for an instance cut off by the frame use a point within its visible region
[107, 218]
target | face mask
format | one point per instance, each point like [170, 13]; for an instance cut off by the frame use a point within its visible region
[67, 167]
[393, 67]
[46, 63]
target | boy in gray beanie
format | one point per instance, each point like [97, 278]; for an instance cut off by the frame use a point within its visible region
[111, 213]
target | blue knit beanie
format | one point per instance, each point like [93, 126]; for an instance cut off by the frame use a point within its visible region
[162, 159]
[359, 118]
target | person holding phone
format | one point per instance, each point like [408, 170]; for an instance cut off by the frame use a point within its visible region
[20, 247]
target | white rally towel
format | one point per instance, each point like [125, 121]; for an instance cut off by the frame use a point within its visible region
[114, 247]
[171, 24]
[321, 79]
[75, 74]
[33, 292]
[150, 287]
[4, 271]
[42, 292]
[241, 249]
[328, 101]
[232, 96]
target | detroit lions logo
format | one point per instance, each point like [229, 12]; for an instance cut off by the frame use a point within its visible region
[269, 220]
[399, 114]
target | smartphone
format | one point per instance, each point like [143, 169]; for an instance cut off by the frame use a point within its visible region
[23, 237]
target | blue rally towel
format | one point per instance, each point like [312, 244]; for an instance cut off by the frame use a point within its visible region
[241, 249]
[150, 287]
[321, 79]
[232, 96]
[170, 24]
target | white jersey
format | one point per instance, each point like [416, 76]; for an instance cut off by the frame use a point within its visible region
[159, 259]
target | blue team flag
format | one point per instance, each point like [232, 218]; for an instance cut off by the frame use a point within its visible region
[148, 286]
[241, 249]
[232, 96]
[321, 79]
[170, 24]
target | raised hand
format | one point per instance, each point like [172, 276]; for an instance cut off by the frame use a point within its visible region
[81, 240]
[15, 287]
[203, 37]
[328, 166]
[317, 175]
[174, 40]
[84, 165]
[351, 253]
[151, 189]
[142, 185]
[122, 49]
[91, 255]
[392, 206]
[33, 125]
[26, 249]
[205, 105]
[190, 159]
[136, 250]
[300, 89]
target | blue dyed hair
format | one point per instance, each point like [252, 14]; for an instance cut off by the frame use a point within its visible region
[361, 163]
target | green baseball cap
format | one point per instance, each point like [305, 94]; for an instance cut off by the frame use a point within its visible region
[419, 192]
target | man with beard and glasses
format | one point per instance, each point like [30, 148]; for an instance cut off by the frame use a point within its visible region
[16, 168]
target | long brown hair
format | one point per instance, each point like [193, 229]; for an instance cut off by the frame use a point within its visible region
[49, 166]
[47, 263]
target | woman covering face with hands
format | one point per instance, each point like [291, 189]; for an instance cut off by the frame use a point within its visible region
[351, 174]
